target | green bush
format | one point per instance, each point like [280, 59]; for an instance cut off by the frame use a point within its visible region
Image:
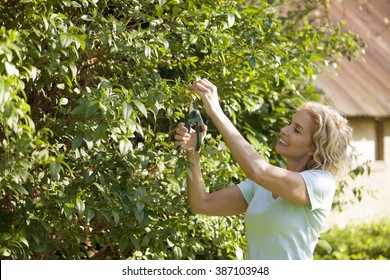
[356, 242]
[90, 91]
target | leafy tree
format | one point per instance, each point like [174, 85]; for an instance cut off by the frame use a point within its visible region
[90, 92]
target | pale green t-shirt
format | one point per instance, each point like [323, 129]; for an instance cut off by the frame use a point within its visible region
[277, 229]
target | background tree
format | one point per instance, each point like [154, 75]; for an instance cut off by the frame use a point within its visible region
[90, 91]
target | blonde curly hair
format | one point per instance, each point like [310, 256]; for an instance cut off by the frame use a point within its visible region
[331, 138]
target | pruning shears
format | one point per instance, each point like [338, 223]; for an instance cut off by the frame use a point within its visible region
[194, 120]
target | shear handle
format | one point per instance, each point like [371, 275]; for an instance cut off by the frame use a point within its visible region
[195, 121]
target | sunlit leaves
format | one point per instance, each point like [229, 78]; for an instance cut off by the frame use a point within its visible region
[141, 107]
[127, 109]
[125, 146]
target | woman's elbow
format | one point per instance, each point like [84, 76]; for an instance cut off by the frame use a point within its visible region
[257, 171]
[253, 174]
[196, 209]
[200, 207]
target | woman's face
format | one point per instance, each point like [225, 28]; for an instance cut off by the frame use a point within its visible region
[296, 139]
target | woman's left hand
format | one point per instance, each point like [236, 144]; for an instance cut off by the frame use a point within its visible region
[209, 94]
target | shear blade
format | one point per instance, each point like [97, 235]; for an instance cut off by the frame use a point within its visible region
[196, 104]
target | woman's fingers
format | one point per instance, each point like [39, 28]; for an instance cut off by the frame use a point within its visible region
[209, 94]
[181, 129]
[203, 86]
[207, 84]
[204, 129]
[181, 132]
[187, 139]
[182, 136]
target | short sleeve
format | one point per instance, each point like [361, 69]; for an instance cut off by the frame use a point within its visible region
[320, 187]
[247, 189]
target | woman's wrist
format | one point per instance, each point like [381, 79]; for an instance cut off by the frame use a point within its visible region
[193, 157]
[215, 113]
[192, 153]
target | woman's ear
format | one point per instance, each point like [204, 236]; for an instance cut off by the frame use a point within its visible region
[312, 151]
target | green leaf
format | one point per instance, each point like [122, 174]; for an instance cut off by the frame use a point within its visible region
[55, 168]
[80, 205]
[253, 140]
[116, 217]
[145, 241]
[80, 41]
[21, 189]
[155, 96]
[231, 20]
[79, 110]
[177, 252]
[69, 210]
[127, 109]
[159, 10]
[252, 62]
[123, 243]
[124, 146]
[90, 214]
[86, 18]
[269, 10]
[141, 107]
[134, 241]
[170, 243]
[4, 236]
[73, 69]
[92, 107]
[24, 241]
[147, 51]
[193, 38]
[76, 5]
[324, 245]
[144, 160]
[77, 141]
[100, 132]
[11, 69]
[65, 39]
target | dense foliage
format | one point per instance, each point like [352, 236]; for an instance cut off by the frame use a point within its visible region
[367, 241]
[90, 91]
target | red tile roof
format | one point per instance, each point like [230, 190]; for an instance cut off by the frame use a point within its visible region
[362, 87]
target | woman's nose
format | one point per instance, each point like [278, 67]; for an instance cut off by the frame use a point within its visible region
[284, 130]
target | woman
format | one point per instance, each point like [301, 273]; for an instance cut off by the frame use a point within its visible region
[285, 208]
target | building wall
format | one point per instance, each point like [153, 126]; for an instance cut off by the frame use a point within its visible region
[364, 138]
[374, 205]
[387, 141]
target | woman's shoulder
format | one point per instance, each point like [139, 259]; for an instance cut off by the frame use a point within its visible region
[317, 173]
[318, 177]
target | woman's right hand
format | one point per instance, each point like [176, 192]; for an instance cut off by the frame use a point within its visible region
[209, 94]
[187, 139]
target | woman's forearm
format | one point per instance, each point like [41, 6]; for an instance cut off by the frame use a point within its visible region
[244, 154]
[224, 202]
[196, 190]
